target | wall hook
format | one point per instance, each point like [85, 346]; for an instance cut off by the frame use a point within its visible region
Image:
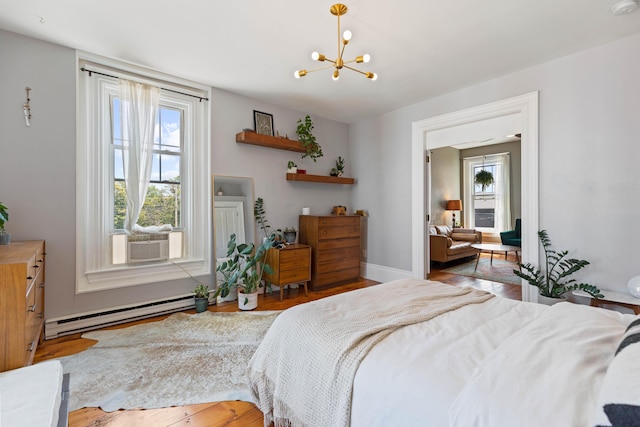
[27, 108]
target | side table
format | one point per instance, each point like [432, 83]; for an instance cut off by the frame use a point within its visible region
[291, 264]
[611, 297]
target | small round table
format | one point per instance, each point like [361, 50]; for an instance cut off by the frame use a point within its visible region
[495, 247]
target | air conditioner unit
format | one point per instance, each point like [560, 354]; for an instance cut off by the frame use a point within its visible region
[148, 250]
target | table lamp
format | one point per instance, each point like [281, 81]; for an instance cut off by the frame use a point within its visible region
[454, 205]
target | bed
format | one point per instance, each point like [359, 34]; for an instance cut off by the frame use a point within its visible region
[485, 361]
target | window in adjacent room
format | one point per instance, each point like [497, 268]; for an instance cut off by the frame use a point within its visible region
[488, 207]
[143, 177]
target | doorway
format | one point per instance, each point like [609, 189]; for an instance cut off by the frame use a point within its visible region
[451, 129]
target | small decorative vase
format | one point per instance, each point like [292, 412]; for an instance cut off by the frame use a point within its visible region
[201, 304]
[5, 238]
[550, 301]
[247, 301]
[290, 236]
[634, 286]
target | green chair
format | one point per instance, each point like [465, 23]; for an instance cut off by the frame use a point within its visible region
[512, 237]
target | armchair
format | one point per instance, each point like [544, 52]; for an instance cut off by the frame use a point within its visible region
[512, 237]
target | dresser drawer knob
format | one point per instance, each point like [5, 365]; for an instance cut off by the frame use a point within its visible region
[41, 260]
[32, 345]
[41, 285]
[32, 308]
[36, 266]
[29, 277]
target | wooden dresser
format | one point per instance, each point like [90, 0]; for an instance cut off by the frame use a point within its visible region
[292, 264]
[335, 248]
[21, 302]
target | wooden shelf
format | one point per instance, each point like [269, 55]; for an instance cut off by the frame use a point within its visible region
[320, 178]
[247, 137]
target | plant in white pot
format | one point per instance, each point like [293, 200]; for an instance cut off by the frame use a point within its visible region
[553, 283]
[243, 270]
[5, 237]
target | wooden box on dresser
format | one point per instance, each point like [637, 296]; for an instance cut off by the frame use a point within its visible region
[335, 248]
[21, 302]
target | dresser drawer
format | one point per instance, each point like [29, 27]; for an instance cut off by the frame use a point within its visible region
[338, 227]
[294, 259]
[336, 277]
[338, 244]
[338, 264]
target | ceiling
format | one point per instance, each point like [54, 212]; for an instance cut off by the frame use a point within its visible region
[419, 48]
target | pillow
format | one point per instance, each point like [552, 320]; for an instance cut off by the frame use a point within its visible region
[465, 237]
[619, 401]
[432, 230]
[444, 229]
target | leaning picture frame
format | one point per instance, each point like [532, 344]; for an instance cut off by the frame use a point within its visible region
[263, 123]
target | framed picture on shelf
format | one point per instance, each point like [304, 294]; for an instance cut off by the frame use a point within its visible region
[263, 123]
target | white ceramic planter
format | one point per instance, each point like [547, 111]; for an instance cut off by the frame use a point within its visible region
[247, 301]
[550, 301]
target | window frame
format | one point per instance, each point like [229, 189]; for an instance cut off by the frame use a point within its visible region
[94, 270]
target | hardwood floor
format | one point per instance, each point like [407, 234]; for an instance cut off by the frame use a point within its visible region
[230, 413]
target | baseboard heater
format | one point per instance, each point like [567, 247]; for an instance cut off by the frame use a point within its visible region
[98, 319]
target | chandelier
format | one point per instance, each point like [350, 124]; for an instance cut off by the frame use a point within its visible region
[339, 10]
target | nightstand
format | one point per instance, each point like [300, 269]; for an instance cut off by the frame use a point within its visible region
[290, 265]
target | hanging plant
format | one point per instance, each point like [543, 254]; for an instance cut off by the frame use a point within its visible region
[307, 139]
[484, 178]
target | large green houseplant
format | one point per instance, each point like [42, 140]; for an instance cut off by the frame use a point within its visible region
[308, 140]
[5, 238]
[243, 270]
[554, 281]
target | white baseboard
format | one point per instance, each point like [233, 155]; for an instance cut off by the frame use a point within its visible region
[81, 322]
[381, 273]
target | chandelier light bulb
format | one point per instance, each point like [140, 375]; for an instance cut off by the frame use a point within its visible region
[300, 73]
[346, 36]
[372, 76]
[366, 57]
[336, 75]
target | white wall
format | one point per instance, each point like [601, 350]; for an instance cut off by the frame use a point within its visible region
[589, 127]
[37, 167]
[445, 184]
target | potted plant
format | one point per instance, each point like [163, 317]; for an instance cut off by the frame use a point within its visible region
[243, 270]
[5, 237]
[553, 283]
[484, 178]
[201, 293]
[290, 234]
[292, 167]
[308, 140]
[339, 169]
[261, 218]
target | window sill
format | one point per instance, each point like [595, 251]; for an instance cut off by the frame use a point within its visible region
[125, 276]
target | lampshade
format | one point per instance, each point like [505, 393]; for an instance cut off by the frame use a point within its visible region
[454, 205]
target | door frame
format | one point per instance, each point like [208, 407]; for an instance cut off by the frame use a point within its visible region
[526, 106]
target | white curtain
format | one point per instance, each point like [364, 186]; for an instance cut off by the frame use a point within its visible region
[467, 192]
[139, 107]
[503, 193]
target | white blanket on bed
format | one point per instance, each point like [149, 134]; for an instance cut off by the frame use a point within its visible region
[288, 363]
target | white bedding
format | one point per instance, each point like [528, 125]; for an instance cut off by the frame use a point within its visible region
[412, 377]
[499, 363]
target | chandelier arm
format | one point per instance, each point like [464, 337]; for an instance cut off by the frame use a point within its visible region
[355, 69]
[320, 68]
[339, 53]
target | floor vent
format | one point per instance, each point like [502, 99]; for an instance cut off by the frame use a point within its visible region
[98, 319]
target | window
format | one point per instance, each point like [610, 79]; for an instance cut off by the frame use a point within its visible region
[163, 197]
[178, 192]
[488, 206]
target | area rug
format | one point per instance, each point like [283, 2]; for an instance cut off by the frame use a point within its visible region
[181, 360]
[501, 270]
